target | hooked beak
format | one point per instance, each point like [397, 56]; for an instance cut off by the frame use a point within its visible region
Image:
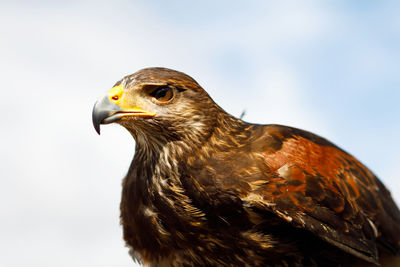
[105, 112]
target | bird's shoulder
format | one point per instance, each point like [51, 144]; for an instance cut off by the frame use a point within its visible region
[313, 184]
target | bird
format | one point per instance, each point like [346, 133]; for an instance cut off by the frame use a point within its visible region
[205, 188]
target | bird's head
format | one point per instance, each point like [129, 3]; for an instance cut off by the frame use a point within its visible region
[157, 104]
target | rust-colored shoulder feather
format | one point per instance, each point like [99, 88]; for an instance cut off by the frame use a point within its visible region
[314, 185]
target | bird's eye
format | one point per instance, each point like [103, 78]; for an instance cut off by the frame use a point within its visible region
[163, 94]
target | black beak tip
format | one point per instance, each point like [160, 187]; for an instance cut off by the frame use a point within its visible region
[97, 128]
[96, 119]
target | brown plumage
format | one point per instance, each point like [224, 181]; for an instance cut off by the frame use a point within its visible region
[207, 189]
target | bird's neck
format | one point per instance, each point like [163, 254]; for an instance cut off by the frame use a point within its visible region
[216, 133]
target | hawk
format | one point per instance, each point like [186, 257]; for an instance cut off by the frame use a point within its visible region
[207, 189]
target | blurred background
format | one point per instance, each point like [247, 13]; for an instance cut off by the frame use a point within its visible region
[330, 67]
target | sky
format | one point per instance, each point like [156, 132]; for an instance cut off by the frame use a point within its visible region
[329, 67]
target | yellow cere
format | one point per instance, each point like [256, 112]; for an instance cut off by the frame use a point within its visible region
[115, 93]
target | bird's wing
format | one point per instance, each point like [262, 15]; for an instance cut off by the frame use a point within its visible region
[314, 185]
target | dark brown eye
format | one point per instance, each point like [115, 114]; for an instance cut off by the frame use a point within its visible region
[163, 94]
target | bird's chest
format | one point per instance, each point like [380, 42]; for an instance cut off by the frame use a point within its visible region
[167, 210]
[156, 215]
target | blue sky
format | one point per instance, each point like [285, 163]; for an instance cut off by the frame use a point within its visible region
[330, 67]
